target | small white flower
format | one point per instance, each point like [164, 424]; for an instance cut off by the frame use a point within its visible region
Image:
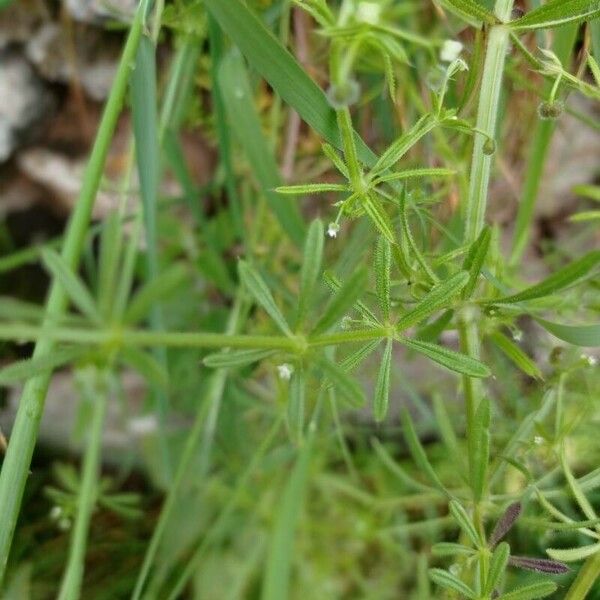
[592, 361]
[144, 425]
[517, 335]
[368, 12]
[332, 230]
[450, 50]
[64, 524]
[346, 322]
[538, 440]
[56, 512]
[285, 371]
[455, 569]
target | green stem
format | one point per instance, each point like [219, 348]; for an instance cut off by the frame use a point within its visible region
[487, 118]
[22, 442]
[345, 124]
[88, 494]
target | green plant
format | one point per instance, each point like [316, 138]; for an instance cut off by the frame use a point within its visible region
[302, 311]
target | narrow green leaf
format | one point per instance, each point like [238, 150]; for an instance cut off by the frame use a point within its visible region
[586, 216]
[432, 331]
[418, 452]
[555, 13]
[464, 522]
[312, 188]
[455, 361]
[236, 358]
[24, 369]
[481, 448]
[334, 284]
[296, 402]
[351, 361]
[312, 259]
[108, 262]
[531, 592]
[376, 212]
[579, 335]
[383, 265]
[73, 286]
[471, 11]
[382, 388]
[475, 260]
[347, 387]
[450, 582]
[516, 355]
[342, 301]
[244, 121]
[438, 298]
[557, 281]
[403, 144]
[145, 364]
[255, 284]
[159, 288]
[588, 191]
[573, 554]
[412, 173]
[451, 549]
[276, 577]
[498, 564]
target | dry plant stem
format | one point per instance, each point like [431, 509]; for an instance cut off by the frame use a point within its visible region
[22, 442]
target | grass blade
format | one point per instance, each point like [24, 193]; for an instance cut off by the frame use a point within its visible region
[244, 121]
[579, 335]
[311, 268]
[296, 405]
[347, 387]
[516, 355]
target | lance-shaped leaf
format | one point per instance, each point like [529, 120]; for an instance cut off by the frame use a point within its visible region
[557, 281]
[531, 592]
[383, 265]
[573, 554]
[481, 448]
[516, 355]
[236, 358]
[418, 452]
[342, 301]
[157, 289]
[376, 212]
[30, 367]
[296, 404]
[413, 173]
[432, 331]
[587, 336]
[438, 298]
[450, 582]
[538, 565]
[464, 522]
[352, 361]
[311, 268]
[498, 564]
[256, 285]
[475, 259]
[556, 13]
[334, 284]
[455, 361]
[403, 144]
[471, 11]
[382, 388]
[505, 523]
[347, 387]
[312, 188]
[451, 549]
[73, 286]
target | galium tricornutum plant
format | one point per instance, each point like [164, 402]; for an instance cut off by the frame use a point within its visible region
[308, 330]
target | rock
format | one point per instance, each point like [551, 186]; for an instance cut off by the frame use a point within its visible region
[26, 102]
[98, 11]
[83, 55]
[20, 20]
